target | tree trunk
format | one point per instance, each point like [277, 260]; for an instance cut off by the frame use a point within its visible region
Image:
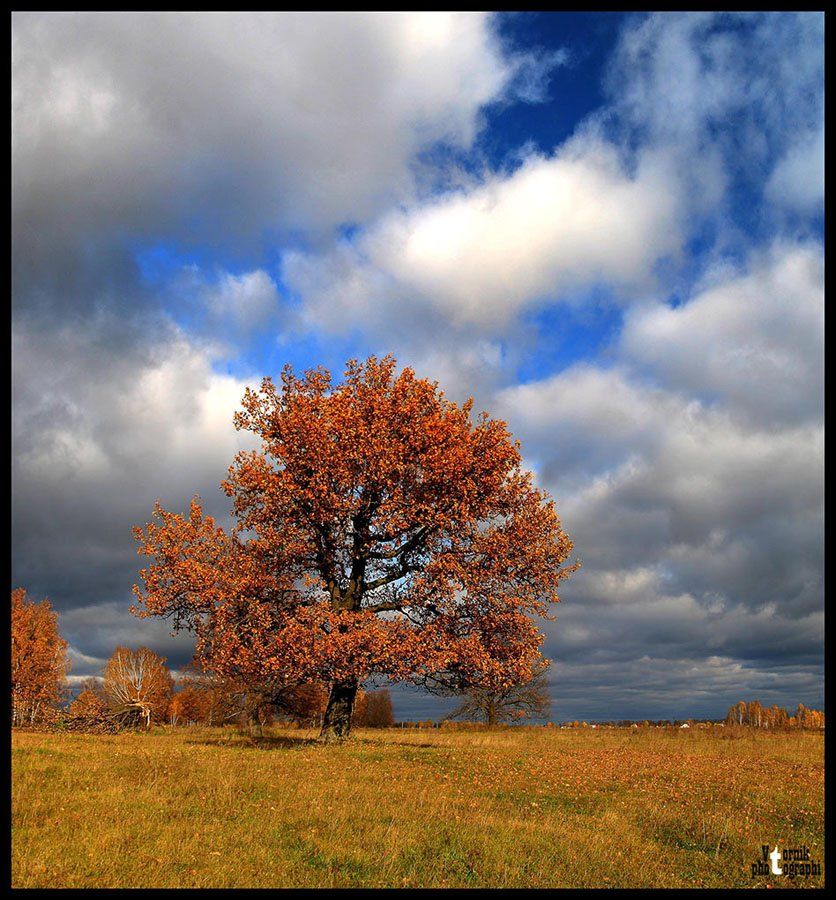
[336, 725]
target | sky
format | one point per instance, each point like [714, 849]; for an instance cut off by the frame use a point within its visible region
[606, 228]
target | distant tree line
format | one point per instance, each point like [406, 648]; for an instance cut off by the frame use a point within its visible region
[136, 687]
[755, 715]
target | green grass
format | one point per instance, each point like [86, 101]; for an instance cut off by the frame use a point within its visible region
[508, 808]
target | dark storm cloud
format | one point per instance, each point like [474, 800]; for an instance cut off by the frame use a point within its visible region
[699, 522]
[98, 436]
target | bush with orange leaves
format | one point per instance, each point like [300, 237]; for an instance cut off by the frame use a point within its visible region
[381, 531]
[207, 698]
[90, 702]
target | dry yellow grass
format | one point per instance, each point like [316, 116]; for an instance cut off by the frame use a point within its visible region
[519, 807]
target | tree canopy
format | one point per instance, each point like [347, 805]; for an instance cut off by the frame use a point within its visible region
[381, 530]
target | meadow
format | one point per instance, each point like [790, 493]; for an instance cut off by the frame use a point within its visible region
[521, 807]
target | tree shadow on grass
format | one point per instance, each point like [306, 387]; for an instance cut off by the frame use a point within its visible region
[255, 742]
[380, 742]
[246, 741]
[417, 746]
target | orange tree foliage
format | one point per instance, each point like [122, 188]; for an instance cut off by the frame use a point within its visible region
[381, 530]
[219, 701]
[39, 658]
[90, 702]
[90, 705]
[188, 706]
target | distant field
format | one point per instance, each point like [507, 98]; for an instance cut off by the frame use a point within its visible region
[519, 807]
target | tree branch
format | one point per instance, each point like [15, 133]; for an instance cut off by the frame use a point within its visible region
[386, 606]
[403, 570]
[412, 544]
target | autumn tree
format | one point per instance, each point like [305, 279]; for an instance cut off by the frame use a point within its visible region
[494, 703]
[737, 714]
[137, 685]
[777, 716]
[39, 658]
[374, 710]
[187, 707]
[809, 718]
[381, 531]
[219, 697]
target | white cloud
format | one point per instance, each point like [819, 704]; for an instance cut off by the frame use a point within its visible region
[585, 419]
[479, 256]
[735, 102]
[756, 340]
[797, 182]
[173, 411]
[739, 82]
[248, 300]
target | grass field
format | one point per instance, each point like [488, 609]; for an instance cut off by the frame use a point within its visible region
[517, 807]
